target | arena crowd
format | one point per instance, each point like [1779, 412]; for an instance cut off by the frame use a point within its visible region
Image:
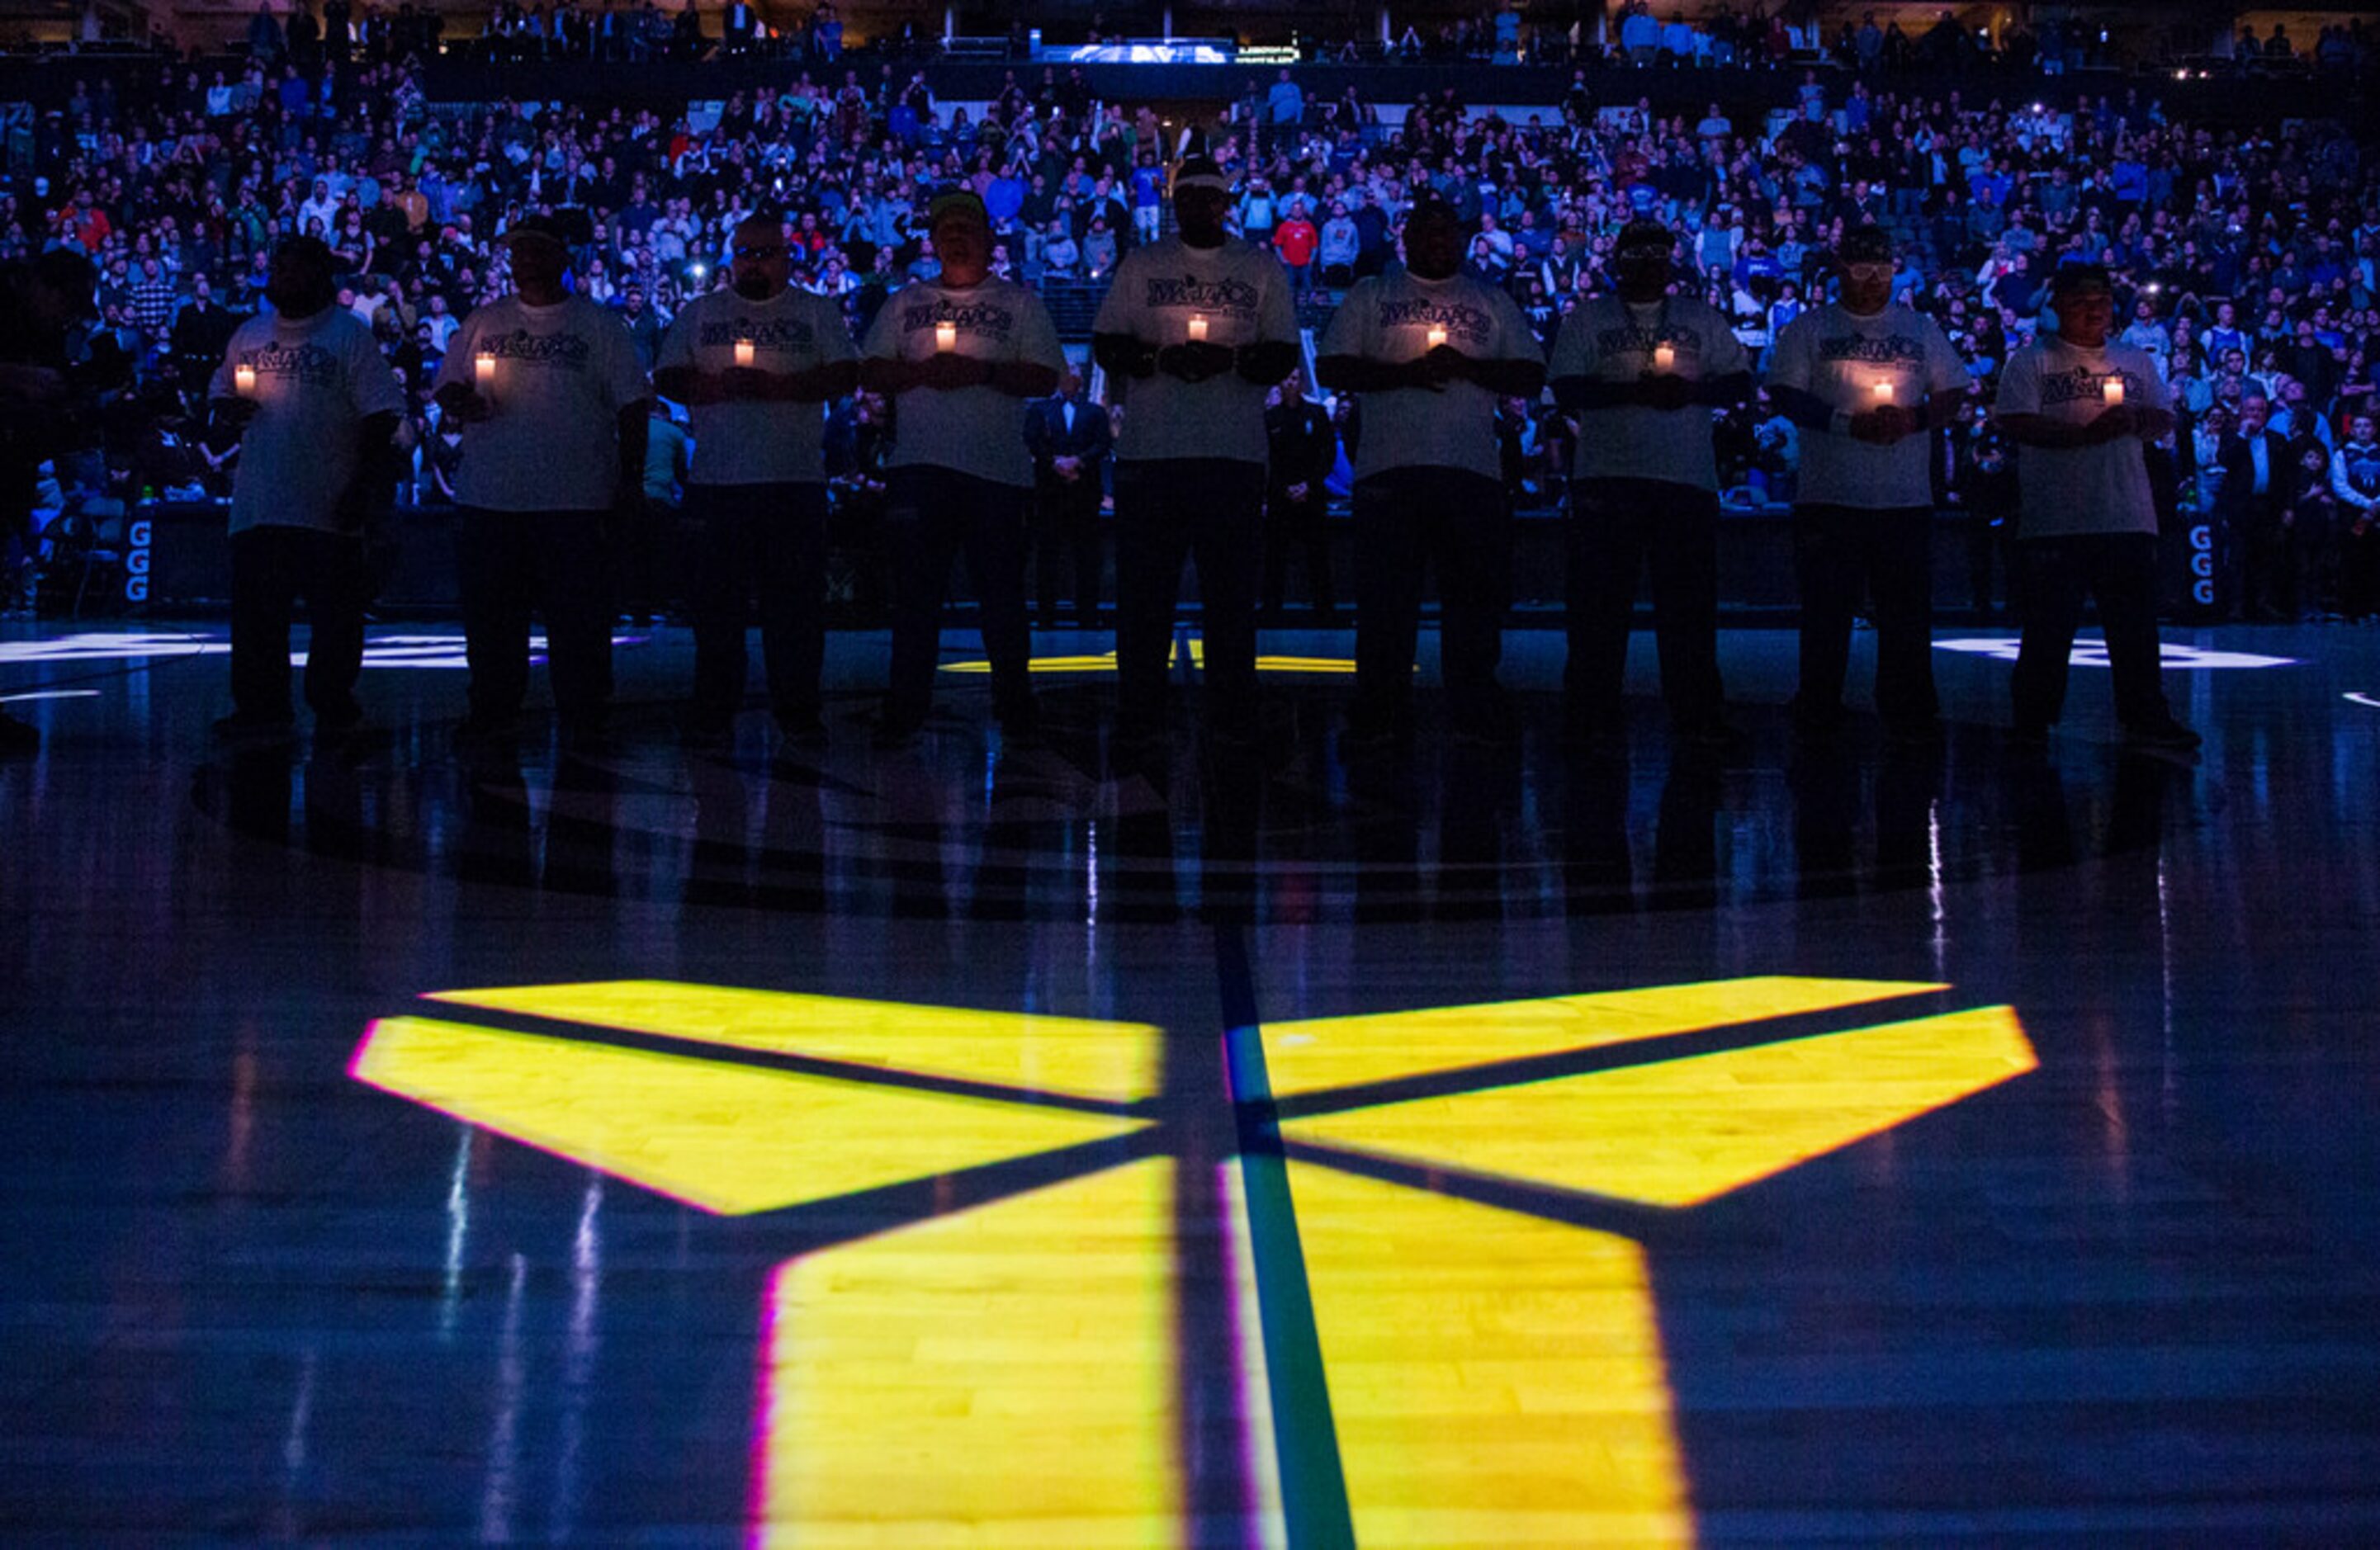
[2242, 260]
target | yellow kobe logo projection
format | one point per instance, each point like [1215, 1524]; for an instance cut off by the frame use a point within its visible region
[1422, 1341]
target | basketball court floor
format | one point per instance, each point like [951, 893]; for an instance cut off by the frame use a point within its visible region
[1038, 1146]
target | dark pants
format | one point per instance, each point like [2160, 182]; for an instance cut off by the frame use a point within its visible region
[929, 515]
[1842, 554]
[2119, 572]
[1066, 534]
[1616, 526]
[1170, 510]
[1304, 525]
[554, 564]
[272, 567]
[766, 541]
[1460, 524]
[2359, 565]
[2270, 562]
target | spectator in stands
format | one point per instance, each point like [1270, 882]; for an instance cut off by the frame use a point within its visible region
[317, 409]
[1301, 449]
[1071, 442]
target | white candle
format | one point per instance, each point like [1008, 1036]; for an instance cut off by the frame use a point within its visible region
[1197, 328]
[1664, 356]
[946, 337]
[2112, 391]
[1436, 336]
[243, 381]
[483, 369]
[745, 352]
[1883, 391]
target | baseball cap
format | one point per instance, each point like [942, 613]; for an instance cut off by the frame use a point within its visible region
[538, 228]
[1199, 172]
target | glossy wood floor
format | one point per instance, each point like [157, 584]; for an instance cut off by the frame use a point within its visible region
[1044, 1146]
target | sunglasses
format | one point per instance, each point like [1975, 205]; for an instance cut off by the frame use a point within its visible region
[775, 251]
[1868, 270]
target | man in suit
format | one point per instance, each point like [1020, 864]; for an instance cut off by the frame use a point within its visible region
[2258, 467]
[1305, 446]
[1070, 440]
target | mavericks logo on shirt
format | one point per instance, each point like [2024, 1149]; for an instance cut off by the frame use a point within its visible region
[786, 332]
[976, 317]
[2066, 387]
[1220, 295]
[1637, 339]
[1892, 349]
[1452, 316]
[566, 352]
[309, 363]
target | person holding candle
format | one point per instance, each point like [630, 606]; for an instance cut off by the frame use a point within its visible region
[1432, 350]
[1643, 371]
[757, 363]
[1869, 381]
[553, 449]
[1190, 462]
[2087, 523]
[317, 409]
[959, 354]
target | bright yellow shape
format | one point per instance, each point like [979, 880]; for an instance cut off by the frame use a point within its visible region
[1066, 1055]
[1495, 1379]
[1680, 1133]
[1003, 1377]
[1354, 1051]
[1106, 663]
[731, 1139]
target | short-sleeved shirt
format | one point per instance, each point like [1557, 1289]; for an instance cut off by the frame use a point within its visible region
[562, 374]
[974, 430]
[1610, 340]
[1388, 318]
[1838, 358]
[316, 379]
[2102, 488]
[750, 442]
[1243, 293]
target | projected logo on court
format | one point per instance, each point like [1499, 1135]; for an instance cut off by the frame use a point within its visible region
[1000, 1353]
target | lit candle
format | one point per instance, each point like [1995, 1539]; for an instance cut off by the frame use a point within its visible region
[1197, 328]
[243, 381]
[1436, 336]
[2112, 391]
[1664, 356]
[745, 352]
[946, 337]
[1883, 391]
[483, 369]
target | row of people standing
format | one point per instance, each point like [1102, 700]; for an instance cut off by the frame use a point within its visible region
[1195, 332]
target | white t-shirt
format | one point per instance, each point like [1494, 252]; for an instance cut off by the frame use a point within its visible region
[1609, 340]
[2102, 488]
[1840, 360]
[316, 379]
[563, 375]
[758, 442]
[1388, 318]
[976, 430]
[1243, 293]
